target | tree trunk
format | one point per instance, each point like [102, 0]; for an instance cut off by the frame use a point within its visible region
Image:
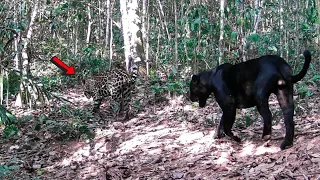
[132, 34]
[108, 23]
[145, 30]
[281, 27]
[221, 31]
[176, 35]
[161, 14]
[89, 25]
[110, 38]
[23, 95]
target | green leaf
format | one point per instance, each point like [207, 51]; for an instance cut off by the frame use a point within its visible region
[80, 16]
[37, 127]
[305, 27]
[10, 130]
[315, 77]
[199, 56]
[248, 121]
[272, 48]
[4, 170]
[174, 70]
[254, 37]
[197, 21]
[234, 36]
[5, 116]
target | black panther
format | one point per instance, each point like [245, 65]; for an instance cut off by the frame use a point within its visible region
[250, 84]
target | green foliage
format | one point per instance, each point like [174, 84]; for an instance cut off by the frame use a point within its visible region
[10, 131]
[316, 80]
[7, 168]
[303, 90]
[73, 129]
[174, 83]
[6, 117]
[69, 130]
[254, 37]
[51, 82]
[13, 83]
[248, 121]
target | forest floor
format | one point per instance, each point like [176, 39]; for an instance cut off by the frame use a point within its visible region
[169, 140]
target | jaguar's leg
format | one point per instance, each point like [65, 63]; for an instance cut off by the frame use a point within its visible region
[115, 107]
[126, 104]
[96, 105]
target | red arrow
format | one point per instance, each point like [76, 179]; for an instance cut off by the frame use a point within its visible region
[68, 70]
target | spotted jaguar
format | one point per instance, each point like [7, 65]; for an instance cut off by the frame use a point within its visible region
[116, 85]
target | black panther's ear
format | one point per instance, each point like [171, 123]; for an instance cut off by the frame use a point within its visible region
[195, 79]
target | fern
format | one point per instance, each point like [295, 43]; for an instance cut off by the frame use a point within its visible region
[6, 117]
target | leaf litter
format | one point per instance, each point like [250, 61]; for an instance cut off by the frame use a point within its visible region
[166, 140]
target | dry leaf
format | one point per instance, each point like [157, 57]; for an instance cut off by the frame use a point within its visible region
[316, 155]
[277, 127]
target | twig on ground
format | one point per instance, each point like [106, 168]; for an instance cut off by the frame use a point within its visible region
[298, 134]
[305, 175]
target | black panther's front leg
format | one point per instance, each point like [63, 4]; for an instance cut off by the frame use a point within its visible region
[228, 117]
[219, 132]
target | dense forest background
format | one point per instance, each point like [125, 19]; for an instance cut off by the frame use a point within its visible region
[169, 40]
[175, 38]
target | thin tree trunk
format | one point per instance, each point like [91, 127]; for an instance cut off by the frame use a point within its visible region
[221, 31]
[175, 35]
[125, 30]
[107, 23]
[89, 25]
[75, 32]
[16, 57]
[158, 47]
[281, 27]
[197, 47]
[145, 31]
[257, 16]
[100, 23]
[25, 66]
[297, 29]
[110, 38]
[164, 20]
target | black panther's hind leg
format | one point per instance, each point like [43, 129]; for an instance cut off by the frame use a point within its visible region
[285, 98]
[263, 109]
[264, 86]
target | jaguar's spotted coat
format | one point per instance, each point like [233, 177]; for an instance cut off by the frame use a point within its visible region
[116, 85]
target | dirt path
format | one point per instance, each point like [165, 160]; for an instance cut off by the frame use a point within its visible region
[172, 140]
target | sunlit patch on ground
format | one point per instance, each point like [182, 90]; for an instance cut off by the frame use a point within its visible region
[172, 141]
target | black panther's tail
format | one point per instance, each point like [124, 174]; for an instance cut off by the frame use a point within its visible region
[303, 72]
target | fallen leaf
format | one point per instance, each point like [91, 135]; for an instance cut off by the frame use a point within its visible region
[277, 127]
[310, 146]
[177, 175]
[315, 160]
[316, 155]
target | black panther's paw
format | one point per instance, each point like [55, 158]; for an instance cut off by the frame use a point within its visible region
[266, 137]
[236, 138]
[285, 144]
[219, 134]
[232, 136]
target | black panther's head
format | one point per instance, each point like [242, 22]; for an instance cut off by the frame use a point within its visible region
[199, 90]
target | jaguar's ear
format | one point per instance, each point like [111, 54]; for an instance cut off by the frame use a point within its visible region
[195, 79]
